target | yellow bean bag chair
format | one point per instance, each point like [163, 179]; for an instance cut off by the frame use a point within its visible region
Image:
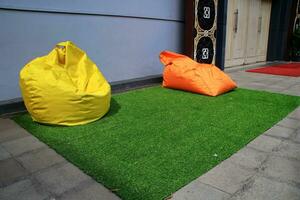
[64, 87]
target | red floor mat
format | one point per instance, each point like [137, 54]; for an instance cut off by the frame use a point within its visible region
[290, 69]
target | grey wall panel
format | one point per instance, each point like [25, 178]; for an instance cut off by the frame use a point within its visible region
[123, 48]
[160, 9]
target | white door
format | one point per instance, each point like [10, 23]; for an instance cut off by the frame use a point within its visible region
[247, 31]
[252, 31]
[263, 30]
[236, 32]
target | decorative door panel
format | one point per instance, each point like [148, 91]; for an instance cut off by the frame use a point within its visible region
[205, 27]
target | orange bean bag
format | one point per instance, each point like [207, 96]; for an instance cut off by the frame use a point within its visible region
[183, 73]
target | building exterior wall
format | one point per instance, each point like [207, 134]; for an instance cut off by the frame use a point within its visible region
[123, 40]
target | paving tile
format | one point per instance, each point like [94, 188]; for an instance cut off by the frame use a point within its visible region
[265, 143]
[245, 76]
[295, 87]
[252, 75]
[59, 179]
[13, 131]
[269, 82]
[93, 191]
[240, 80]
[226, 176]
[297, 136]
[287, 83]
[22, 145]
[10, 170]
[289, 123]
[255, 85]
[40, 159]
[277, 79]
[275, 88]
[295, 114]
[249, 158]
[4, 154]
[199, 191]
[6, 124]
[279, 131]
[289, 149]
[268, 79]
[262, 189]
[291, 92]
[243, 84]
[22, 190]
[282, 169]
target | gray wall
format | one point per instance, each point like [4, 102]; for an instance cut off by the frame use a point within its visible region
[124, 38]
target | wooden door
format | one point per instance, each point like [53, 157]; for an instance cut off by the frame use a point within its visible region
[252, 30]
[247, 31]
[236, 32]
[263, 30]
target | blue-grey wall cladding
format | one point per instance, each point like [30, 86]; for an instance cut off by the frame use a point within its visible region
[124, 38]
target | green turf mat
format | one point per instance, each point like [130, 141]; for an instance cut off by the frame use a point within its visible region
[155, 140]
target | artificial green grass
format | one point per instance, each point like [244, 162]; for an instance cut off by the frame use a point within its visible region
[155, 140]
